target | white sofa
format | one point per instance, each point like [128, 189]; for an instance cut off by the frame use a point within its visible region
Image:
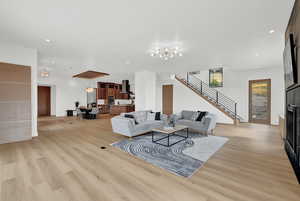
[128, 127]
[205, 126]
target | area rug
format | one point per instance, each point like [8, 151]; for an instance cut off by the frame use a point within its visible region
[203, 148]
[182, 159]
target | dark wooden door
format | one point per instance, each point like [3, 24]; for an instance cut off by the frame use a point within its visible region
[167, 95]
[44, 102]
[260, 101]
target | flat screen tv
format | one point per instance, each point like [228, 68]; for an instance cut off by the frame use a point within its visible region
[290, 68]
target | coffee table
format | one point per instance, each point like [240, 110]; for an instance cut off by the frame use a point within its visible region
[170, 131]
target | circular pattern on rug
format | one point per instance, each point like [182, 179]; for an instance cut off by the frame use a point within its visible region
[170, 158]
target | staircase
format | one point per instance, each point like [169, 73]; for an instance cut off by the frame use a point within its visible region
[212, 96]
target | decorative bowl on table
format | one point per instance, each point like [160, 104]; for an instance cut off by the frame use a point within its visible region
[170, 122]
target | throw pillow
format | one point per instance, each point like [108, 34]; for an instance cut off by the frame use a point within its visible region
[201, 115]
[130, 116]
[195, 116]
[151, 116]
[140, 116]
[187, 114]
[157, 116]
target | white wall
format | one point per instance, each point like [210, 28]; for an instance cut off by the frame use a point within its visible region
[53, 100]
[13, 54]
[145, 90]
[186, 99]
[235, 86]
[65, 91]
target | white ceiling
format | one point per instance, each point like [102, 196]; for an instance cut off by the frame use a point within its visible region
[114, 36]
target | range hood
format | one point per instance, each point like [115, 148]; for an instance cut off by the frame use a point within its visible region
[125, 87]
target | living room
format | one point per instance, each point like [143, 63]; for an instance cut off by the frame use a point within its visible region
[149, 100]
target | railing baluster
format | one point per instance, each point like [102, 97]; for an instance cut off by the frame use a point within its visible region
[201, 87]
[235, 104]
[187, 78]
[217, 97]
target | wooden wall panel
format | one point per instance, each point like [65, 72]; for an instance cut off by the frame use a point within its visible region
[18, 110]
[15, 103]
[14, 91]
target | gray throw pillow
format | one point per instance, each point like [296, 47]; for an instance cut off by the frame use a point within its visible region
[140, 116]
[187, 115]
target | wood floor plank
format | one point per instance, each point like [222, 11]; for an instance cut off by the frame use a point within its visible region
[8, 190]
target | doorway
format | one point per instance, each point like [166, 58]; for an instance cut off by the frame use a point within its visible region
[260, 101]
[44, 101]
[167, 95]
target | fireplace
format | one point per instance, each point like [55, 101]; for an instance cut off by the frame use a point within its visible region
[292, 142]
[292, 126]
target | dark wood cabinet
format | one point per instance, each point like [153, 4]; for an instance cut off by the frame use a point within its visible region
[106, 89]
[108, 92]
[111, 92]
[102, 93]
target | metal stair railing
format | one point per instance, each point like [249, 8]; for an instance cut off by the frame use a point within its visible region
[213, 95]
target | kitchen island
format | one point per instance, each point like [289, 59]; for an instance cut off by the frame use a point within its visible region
[122, 108]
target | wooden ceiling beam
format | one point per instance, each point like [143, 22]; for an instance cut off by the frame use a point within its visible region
[90, 75]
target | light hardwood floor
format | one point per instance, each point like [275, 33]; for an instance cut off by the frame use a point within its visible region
[65, 163]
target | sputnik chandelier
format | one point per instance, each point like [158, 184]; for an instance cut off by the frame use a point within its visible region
[166, 53]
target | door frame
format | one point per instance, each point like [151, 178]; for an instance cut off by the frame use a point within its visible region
[268, 121]
[171, 98]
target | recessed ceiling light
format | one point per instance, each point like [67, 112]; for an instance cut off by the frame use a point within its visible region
[257, 54]
[48, 40]
[271, 31]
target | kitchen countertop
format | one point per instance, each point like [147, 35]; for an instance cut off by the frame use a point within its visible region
[123, 105]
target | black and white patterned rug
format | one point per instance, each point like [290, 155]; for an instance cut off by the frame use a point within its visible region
[182, 159]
